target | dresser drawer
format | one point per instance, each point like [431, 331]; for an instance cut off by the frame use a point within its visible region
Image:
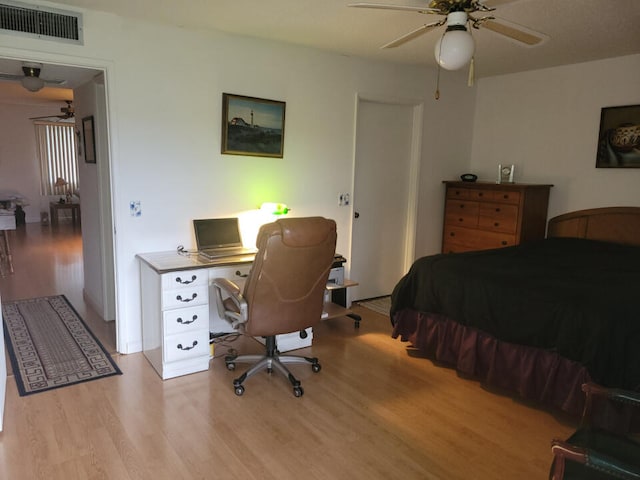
[184, 278]
[461, 213]
[477, 239]
[186, 345]
[185, 319]
[505, 196]
[461, 193]
[189, 296]
[498, 217]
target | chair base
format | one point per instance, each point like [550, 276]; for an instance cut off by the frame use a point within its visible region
[272, 360]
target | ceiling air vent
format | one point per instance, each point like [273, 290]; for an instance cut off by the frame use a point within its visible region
[40, 22]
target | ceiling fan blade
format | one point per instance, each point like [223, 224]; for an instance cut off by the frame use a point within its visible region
[496, 3]
[522, 35]
[405, 8]
[54, 82]
[413, 34]
[9, 76]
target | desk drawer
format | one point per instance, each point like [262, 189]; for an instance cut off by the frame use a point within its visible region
[234, 273]
[185, 297]
[184, 278]
[185, 319]
[186, 345]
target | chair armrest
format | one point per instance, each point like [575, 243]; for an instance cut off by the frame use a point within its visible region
[232, 292]
[563, 451]
[616, 394]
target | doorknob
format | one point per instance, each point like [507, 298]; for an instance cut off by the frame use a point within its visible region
[356, 214]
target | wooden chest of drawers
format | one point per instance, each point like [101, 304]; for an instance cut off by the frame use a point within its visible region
[480, 216]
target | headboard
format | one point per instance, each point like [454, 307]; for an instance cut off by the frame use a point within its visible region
[609, 224]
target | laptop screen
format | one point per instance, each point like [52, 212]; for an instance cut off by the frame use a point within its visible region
[217, 233]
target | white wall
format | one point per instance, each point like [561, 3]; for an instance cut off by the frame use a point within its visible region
[546, 122]
[164, 89]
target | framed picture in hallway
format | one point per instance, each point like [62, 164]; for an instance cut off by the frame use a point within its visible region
[88, 134]
[252, 126]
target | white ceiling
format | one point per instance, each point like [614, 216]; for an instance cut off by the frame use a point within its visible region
[579, 30]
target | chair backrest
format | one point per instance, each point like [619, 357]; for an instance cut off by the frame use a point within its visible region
[285, 289]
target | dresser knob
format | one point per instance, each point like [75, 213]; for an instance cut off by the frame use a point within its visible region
[452, 234]
[496, 224]
[187, 322]
[506, 196]
[498, 209]
[480, 194]
[504, 242]
[462, 205]
[186, 282]
[180, 299]
[461, 219]
[180, 347]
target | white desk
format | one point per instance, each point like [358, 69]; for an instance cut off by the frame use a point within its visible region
[178, 314]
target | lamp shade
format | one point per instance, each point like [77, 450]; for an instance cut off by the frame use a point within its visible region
[60, 182]
[456, 47]
[33, 84]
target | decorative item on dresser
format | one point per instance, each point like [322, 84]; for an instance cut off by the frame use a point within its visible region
[484, 215]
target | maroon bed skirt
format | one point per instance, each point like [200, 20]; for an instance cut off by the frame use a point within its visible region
[533, 373]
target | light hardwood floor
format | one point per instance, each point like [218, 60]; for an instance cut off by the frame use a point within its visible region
[375, 411]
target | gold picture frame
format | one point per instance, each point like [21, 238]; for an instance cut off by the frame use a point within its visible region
[252, 126]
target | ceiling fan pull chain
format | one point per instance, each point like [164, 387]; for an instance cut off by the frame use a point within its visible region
[472, 73]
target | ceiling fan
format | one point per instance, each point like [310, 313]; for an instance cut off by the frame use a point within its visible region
[66, 112]
[456, 46]
[31, 77]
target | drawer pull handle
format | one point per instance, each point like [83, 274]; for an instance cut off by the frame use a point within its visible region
[506, 196]
[180, 299]
[187, 322]
[498, 209]
[461, 219]
[241, 275]
[180, 347]
[480, 194]
[504, 242]
[497, 224]
[462, 205]
[452, 234]
[186, 282]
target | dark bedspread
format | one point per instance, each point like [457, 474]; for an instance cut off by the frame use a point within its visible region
[580, 298]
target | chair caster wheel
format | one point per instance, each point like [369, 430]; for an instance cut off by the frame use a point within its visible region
[239, 389]
[231, 366]
[298, 391]
[316, 367]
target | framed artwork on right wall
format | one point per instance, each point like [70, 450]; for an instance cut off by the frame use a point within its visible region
[619, 137]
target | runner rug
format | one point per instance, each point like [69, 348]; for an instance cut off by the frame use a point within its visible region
[380, 305]
[50, 346]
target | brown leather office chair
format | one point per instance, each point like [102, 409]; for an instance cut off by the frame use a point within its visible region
[283, 293]
[606, 445]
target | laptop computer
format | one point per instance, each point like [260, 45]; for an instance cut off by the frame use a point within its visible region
[219, 237]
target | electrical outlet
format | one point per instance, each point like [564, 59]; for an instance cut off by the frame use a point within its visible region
[344, 200]
[134, 208]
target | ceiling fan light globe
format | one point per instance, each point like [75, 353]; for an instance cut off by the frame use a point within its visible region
[33, 84]
[454, 49]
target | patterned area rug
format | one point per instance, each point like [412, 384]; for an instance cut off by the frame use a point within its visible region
[380, 305]
[50, 346]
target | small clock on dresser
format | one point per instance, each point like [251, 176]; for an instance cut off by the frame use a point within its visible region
[505, 173]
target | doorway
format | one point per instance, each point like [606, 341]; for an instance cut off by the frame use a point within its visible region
[387, 158]
[89, 100]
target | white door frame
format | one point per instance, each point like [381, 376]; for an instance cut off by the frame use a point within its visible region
[414, 168]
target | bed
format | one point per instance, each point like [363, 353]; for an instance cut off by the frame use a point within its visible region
[538, 319]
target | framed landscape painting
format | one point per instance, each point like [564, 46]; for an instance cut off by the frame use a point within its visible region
[252, 126]
[619, 137]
